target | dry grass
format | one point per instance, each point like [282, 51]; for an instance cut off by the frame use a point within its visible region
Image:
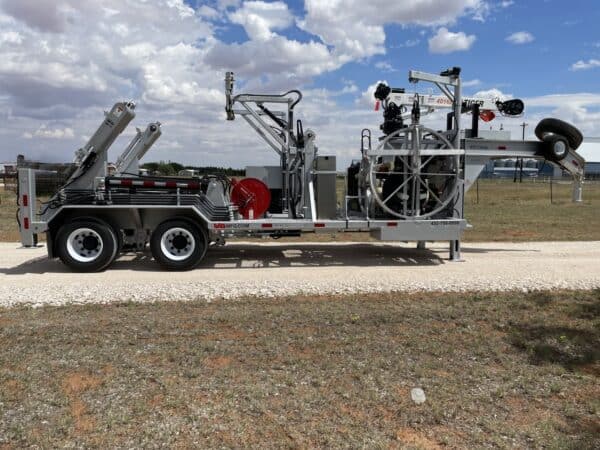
[498, 370]
[8, 223]
[510, 211]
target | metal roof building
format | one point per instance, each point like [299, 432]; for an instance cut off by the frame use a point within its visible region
[590, 150]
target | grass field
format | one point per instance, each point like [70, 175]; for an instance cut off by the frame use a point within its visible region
[498, 370]
[506, 211]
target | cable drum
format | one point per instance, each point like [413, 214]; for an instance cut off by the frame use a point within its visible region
[413, 174]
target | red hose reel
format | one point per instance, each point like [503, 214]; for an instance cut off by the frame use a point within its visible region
[251, 196]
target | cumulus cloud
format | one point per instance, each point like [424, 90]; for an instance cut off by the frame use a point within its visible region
[356, 28]
[585, 65]
[259, 18]
[520, 37]
[64, 63]
[494, 94]
[445, 41]
[281, 56]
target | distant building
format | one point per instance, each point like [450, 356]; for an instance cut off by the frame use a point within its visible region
[590, 150]
[8, 167]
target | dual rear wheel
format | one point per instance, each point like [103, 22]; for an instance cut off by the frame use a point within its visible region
[87, 245]
[91, 245]
[178, 244]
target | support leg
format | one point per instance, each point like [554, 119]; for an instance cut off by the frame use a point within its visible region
[455, 251]
[421, 245]
[577, 189]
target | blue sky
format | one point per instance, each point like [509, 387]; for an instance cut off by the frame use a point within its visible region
[67, 61]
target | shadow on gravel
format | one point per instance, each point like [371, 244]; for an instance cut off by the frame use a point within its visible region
[317, 255]
[248, 256]
[238, 256]
[466, 249]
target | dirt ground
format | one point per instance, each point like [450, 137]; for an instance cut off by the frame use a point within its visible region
[498, 370]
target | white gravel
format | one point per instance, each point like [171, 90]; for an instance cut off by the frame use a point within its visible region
[27, 277]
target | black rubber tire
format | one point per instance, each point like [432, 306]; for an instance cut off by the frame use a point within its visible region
[556, 126]
[116, 231]
[552, 141]
[106, 255]
[200, 245]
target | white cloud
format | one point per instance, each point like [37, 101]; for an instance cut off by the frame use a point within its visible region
[10, 37]
[471, 83]
[356, 28]
[520, 37]
[506, 3]
[585, 65]
[385, 66]
[367, 99]
[494, 94]
[280, 56]
[445, 41]
[259, 18]
[411, 42]
[57, 133]
[208, 12]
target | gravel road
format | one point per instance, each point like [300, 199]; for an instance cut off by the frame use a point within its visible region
[278, 269]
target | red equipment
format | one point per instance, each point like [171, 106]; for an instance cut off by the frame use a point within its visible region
[251, 196]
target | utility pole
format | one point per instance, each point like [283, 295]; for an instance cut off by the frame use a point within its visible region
[519, 165]
[523, 125]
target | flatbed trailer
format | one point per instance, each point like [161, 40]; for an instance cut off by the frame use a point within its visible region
[410, 187]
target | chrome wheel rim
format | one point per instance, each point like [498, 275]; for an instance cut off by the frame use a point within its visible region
[84, 245]
[177, 244]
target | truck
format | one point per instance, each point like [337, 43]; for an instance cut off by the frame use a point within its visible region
[409, 184]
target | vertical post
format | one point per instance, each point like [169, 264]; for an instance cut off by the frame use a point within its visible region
[577, 189]
[521, 172]
[27, 201]
[523, 125]
[455, 251]
[457, 111]
[475, 121]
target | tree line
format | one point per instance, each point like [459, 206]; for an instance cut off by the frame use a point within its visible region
[173, 168]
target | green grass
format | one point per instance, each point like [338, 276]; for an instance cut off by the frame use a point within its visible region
[498, 370]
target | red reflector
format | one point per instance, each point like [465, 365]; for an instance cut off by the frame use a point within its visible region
[319, 225]
[171, 184]
[575, 162]
[25, 200]
[486, 115]
[149, 183]
[502, 147]
[126, 182]
[266, 225]
[26, 223]
[377, 105]
[392, 224]
[193, 185]
[219, 225]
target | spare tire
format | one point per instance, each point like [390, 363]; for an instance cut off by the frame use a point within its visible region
[556, 126]
[557, 147]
